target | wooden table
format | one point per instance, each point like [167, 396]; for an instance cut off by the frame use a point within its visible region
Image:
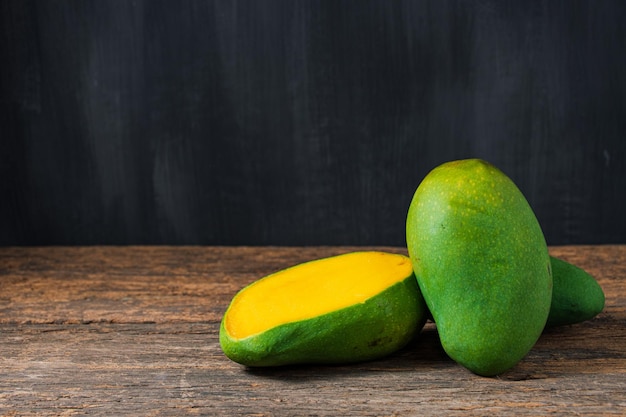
[134, 331]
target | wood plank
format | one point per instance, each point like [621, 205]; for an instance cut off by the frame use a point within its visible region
[134, 331]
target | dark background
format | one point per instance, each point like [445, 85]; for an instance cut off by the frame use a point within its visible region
[302, 122]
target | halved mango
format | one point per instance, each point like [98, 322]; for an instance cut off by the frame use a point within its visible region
[347, 308]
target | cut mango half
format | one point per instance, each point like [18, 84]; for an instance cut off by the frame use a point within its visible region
[346, 308]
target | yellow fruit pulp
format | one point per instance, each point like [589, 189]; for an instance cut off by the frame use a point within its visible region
[311, 289]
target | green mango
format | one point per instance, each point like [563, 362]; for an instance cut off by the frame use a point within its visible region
[576, 295]
[482, 264]
[347, 308]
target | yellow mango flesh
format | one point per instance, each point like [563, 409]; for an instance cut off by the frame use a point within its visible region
[312, 289]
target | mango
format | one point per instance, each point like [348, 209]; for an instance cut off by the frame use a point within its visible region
[576, 295]
[342, 309]
[482, 264]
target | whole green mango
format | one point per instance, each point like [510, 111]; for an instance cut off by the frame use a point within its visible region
[482, 264]
[576, 295]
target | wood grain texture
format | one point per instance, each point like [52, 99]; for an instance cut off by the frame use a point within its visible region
[226, 123]
[134, 331]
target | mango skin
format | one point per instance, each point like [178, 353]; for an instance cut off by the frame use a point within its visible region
[576, 295]
[482, 264]
[375, 328]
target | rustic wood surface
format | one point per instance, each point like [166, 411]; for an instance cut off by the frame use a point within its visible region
[134, 331]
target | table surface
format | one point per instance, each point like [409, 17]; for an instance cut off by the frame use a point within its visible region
[134, 331]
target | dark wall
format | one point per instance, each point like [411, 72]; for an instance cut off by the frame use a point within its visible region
[302, 122]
